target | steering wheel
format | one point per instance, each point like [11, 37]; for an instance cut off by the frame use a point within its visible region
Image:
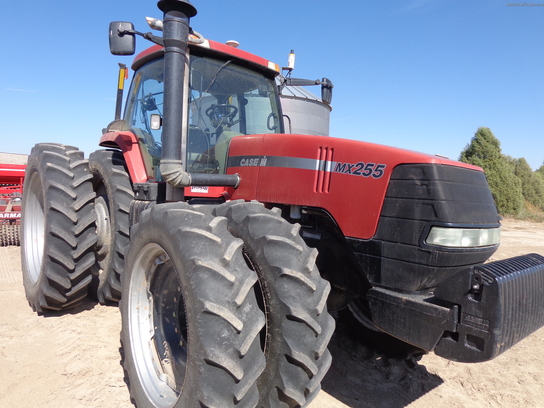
[222, 114]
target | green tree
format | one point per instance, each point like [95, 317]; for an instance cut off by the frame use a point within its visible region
[539, 181]
[540, 170]
[532, 183]
[484, 151]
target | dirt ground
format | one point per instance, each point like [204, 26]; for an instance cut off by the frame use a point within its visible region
[72, 359]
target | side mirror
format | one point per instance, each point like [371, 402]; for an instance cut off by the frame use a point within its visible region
[122, 39]
[326, 90]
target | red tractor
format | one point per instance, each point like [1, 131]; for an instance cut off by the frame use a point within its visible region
[227, 241]
[11, 190]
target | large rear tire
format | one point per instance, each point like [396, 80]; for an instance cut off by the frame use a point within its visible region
[190, 319]
[114, 194]
[57, 227]
[298, 327]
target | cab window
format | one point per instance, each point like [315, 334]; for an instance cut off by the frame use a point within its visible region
[225, 101]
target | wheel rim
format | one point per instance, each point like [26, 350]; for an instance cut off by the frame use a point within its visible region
[103, 230]
[34, 227]
[157, 326]
[261, 293]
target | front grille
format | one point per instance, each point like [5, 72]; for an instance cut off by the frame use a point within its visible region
[418, 197]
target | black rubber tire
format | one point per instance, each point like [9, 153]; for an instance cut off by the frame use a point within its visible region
[294, 294]
[114, 194]
[57, 227]
[189, 312]
[9, 235]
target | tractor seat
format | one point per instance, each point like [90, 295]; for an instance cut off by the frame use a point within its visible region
[222, 148]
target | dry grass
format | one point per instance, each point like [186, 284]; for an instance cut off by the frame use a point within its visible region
[531, 213]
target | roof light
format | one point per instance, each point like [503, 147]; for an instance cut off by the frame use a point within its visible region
[463, 237]
[273, 66]
[233, 43]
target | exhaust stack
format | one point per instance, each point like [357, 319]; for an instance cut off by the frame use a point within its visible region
[177, 14]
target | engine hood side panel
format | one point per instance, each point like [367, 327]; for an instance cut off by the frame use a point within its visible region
[347, 178]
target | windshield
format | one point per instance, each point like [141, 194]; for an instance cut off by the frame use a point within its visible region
[225, 100]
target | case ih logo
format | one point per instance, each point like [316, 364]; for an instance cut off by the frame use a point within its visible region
[373, 170]
[253, 162]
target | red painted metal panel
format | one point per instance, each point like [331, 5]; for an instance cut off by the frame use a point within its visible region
[12, 173]
[237, 52]
[208, 192]
[347, 178]
[157, 51]
[248, 146]
[12, 177]
[127, 142]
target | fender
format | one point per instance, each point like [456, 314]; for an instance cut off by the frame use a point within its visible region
[128, 143]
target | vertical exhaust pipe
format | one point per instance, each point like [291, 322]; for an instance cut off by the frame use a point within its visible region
[177, 14]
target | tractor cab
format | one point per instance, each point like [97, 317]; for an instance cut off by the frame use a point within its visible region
[225, 99]
[185, 107]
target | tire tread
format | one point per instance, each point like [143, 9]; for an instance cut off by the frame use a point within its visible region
[298, 357]
[69, 233]
[226, 345]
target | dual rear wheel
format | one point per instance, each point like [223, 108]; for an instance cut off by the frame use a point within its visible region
[222, 307]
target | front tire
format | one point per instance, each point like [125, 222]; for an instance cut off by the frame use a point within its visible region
[57, 227]
[294, 296]
[190, 319]
[114, 194]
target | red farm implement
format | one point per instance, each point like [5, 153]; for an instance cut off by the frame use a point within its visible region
[11, 190]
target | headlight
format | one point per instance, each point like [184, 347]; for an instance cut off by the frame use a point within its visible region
[463, 237]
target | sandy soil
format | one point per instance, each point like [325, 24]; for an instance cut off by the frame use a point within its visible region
[72, 359]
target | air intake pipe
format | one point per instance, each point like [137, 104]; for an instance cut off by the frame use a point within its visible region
[177, 14]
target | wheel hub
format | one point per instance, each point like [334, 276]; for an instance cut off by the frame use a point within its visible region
[103, 229]
[158, 327]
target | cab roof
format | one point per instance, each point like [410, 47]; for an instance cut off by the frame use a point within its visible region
[213, 49]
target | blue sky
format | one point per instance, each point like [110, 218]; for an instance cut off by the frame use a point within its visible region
[416, 74]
